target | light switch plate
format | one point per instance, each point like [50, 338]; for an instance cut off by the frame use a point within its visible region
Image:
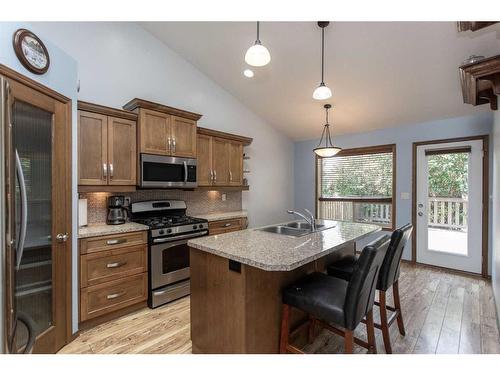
[405, 195]
[223, 197]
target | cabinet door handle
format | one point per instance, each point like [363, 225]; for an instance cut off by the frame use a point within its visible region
[227, 225]
[105, 169]
[116, 241]
[215, 175]
[211, 175]
[115, 295]
[115, 264]
[173, 144]
[169, 144]
[111, 170]
[230, 176]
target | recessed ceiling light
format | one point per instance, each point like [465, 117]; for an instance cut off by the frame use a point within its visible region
[248, 73]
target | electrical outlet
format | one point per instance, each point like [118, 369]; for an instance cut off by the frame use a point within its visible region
[223, 197]
[127, 201]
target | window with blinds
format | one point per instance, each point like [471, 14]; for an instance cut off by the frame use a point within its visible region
[357, 185]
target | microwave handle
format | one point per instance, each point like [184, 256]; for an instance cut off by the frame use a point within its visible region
[185, 171]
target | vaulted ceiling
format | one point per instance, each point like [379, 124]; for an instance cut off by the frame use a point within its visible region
[382, 74]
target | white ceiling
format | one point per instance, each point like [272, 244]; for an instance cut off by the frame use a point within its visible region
[382, 74]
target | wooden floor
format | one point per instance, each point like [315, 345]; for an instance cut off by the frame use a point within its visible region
[443, 313]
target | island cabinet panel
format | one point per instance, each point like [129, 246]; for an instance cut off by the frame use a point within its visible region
[204, 167]
[239, 311]
[92, 148]
[122, 155]
[154, 132]
[107, 144]
[183, 133]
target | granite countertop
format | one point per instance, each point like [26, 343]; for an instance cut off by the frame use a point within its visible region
[214, 216]
[93, 230]
[277, 252]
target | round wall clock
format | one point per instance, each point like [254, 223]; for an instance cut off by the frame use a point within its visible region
[31, 51]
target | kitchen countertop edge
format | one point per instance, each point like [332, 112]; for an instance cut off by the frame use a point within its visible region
[95, 230]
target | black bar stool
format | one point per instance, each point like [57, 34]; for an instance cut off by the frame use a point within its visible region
[330, 300]
[388, 276]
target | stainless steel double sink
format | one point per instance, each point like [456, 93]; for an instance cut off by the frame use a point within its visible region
[295, 229]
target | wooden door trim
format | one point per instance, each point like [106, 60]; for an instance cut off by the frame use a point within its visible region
[12, 74]
[65, 107]
[485, 195]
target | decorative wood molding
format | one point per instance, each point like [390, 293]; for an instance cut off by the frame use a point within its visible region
[234, 137]
[473, 25]
[108, 111]
[12, 74]
[137, 103]
[481, 82]
[223, 188]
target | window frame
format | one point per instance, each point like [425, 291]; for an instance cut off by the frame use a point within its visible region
[354, 152]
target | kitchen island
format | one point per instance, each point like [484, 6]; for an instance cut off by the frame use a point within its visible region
[237, 279]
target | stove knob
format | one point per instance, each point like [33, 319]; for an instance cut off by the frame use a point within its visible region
[195, 226]
[169, 230]
[200, 226]
[161, 231]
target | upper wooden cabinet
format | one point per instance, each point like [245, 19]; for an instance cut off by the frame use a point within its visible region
[107, 154]
[165, 130]
[220, 158]
[481, 82]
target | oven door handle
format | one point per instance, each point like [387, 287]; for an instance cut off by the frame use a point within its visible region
[173, 239]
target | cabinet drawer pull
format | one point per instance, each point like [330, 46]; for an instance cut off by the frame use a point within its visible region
[227, 225]
[115, 264]
[115, 295]
[116, 241]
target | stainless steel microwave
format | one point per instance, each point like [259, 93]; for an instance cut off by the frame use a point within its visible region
[167, 172]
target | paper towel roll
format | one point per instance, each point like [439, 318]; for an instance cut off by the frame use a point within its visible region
[82, 212]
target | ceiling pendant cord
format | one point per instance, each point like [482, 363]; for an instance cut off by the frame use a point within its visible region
[258, 33]
[322, 56]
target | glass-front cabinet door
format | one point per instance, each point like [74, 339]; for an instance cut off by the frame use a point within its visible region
[40, 223]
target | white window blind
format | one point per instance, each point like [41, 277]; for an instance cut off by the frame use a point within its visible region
[357, 185]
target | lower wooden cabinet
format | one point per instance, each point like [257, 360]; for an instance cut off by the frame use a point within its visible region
[113, 273]
[226, 226]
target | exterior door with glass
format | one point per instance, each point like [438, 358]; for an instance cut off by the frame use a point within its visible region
[449, 205]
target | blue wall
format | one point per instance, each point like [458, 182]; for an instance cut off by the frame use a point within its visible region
[403, 137]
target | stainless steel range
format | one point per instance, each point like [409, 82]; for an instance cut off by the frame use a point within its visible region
[168, 260]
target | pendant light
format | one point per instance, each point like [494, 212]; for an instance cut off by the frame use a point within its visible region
[257, 55]
[322, 92]
[328, 150]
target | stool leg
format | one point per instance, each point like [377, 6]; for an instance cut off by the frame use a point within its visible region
[285, 321]
[348, 342]
[383, 322]
[397, 305]
[370, 332]
[312, 329]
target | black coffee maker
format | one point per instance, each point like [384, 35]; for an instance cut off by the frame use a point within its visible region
[117, 213]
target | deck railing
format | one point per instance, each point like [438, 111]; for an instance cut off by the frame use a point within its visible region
[447, 213]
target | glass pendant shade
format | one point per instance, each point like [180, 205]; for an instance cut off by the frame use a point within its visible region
[322, 92]
[257, 55]
[327, 150]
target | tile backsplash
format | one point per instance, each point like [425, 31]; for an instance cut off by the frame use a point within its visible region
[198, 202]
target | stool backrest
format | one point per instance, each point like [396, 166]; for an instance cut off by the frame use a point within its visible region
[360, 293]
[389, 272]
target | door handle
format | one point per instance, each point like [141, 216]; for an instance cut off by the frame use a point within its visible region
[24, 211]
[169, 144]
[215, 175]
[111, 170]
[173, 144]
[62, 237]
[230, 176]
[104, 169]
[211, 176]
